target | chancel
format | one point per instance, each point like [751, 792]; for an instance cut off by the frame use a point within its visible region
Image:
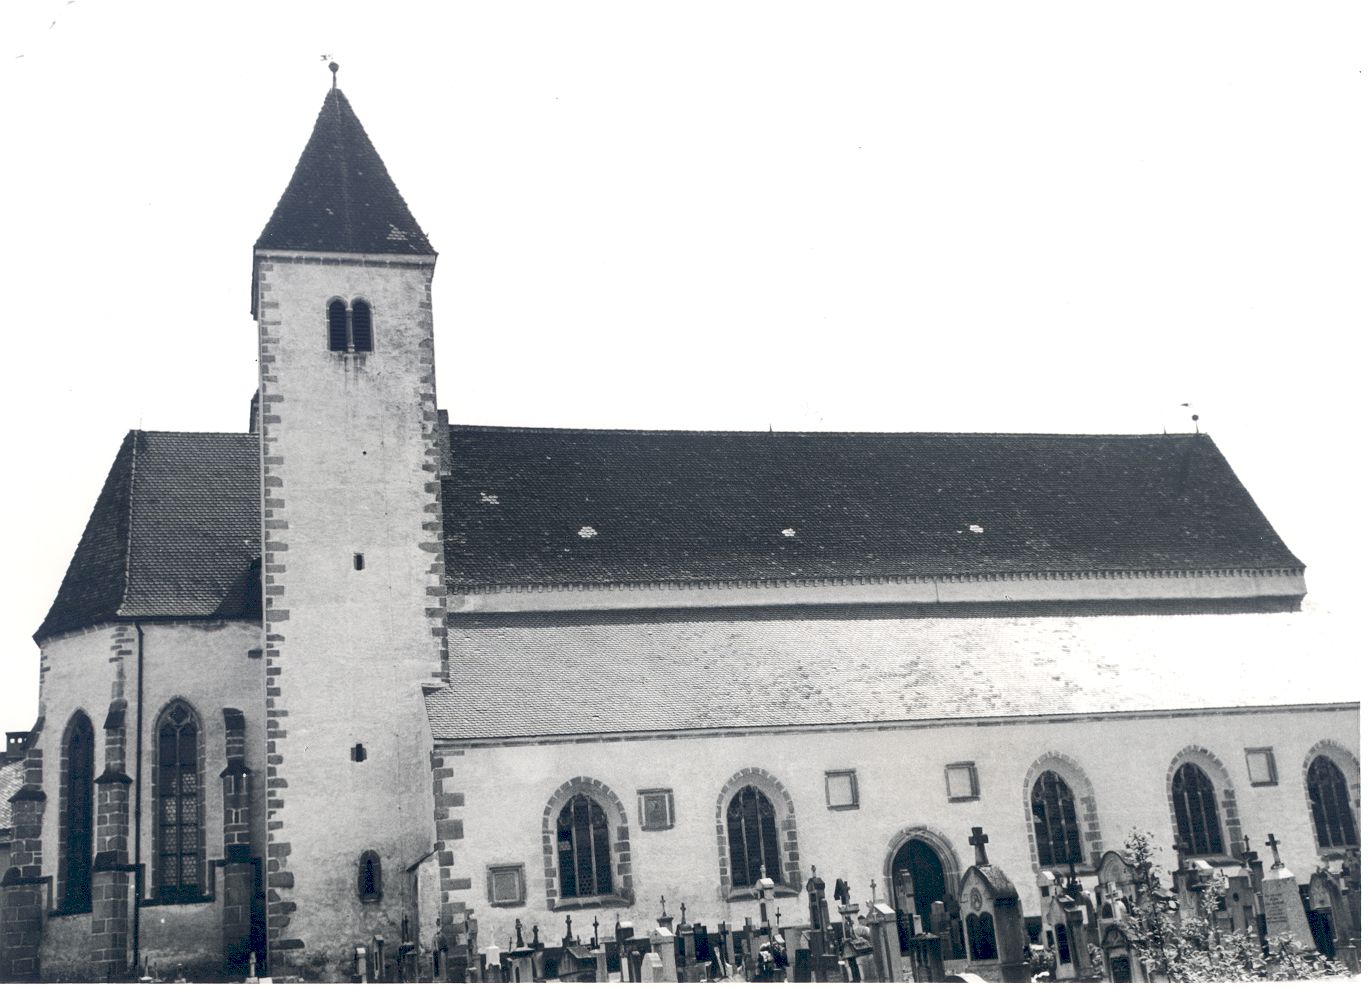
[359, 676]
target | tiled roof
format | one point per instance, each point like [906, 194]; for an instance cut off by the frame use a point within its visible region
[341, 197]
[511, 678]
[174, 533]
[548, 506]
[11, 778]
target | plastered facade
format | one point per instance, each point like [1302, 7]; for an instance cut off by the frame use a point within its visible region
[353, 596]
[1124, 759]
[209, 666]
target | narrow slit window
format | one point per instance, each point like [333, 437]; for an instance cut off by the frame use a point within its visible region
[359, 561]
[369, 886]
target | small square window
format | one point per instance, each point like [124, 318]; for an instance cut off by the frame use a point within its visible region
[1263, 771]
[961, 781]
[656, 808]
[842, 791]
[507, 885]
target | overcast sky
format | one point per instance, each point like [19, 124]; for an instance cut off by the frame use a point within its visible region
[973, 217]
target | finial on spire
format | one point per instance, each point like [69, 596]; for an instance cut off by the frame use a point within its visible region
[332, 67]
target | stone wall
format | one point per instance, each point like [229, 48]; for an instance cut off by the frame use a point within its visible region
[499, 794]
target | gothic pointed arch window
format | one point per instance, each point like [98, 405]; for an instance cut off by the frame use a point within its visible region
[1196, 812]
[1331, 809]
[1055, 819]
[752, 837]
[585, 848]
[179, 834]
[78, 813]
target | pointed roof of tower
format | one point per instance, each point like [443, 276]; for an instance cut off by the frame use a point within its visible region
[341, 197]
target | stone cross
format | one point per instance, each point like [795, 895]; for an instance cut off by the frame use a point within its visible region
[662, 906]
[595, 941]
[517, 926]
[1272, 843]
[683, 913]
[568, 932]
[978, 839]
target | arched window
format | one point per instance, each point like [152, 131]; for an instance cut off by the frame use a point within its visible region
[752, 838]
[78, 815]
[361, 325]
[337, 325]
[350, 330]
[1330, 807]
[586, 863]
[178, 845]
[369, 883]
[1194, 806]
[1055, 820]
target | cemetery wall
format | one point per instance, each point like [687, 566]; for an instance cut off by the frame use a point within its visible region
[504, 791]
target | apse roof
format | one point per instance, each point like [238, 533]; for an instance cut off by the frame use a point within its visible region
[566, 506]
[174, 533]
[764, 669]
[341, 197]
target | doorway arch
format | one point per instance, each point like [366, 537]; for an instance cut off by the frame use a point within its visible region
[926, 858]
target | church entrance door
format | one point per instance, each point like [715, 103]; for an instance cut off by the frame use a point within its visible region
[919, 863]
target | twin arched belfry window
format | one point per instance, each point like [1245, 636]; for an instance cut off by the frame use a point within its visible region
[349, 328]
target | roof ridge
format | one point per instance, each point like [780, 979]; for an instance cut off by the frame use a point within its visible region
[630, 431]
[191, 432]
[128, 536]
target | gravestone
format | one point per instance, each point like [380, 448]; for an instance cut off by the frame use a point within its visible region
[886, 953]
[1283, 910]
[663, 946]
[1064, 918]
[994, 928]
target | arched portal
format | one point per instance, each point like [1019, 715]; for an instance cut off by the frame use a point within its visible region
[921, 861]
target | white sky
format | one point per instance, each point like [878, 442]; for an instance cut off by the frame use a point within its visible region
[980, 217]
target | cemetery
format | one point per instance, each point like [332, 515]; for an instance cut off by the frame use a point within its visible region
[1074, 929]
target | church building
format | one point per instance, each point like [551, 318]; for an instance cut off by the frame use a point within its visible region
[357, 683]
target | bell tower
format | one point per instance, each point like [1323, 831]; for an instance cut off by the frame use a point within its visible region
[354, 605]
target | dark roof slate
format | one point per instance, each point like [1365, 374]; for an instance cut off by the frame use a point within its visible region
[511, 675]
[11, 779]
[174, 534]
[715, 506]
[341, 197]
